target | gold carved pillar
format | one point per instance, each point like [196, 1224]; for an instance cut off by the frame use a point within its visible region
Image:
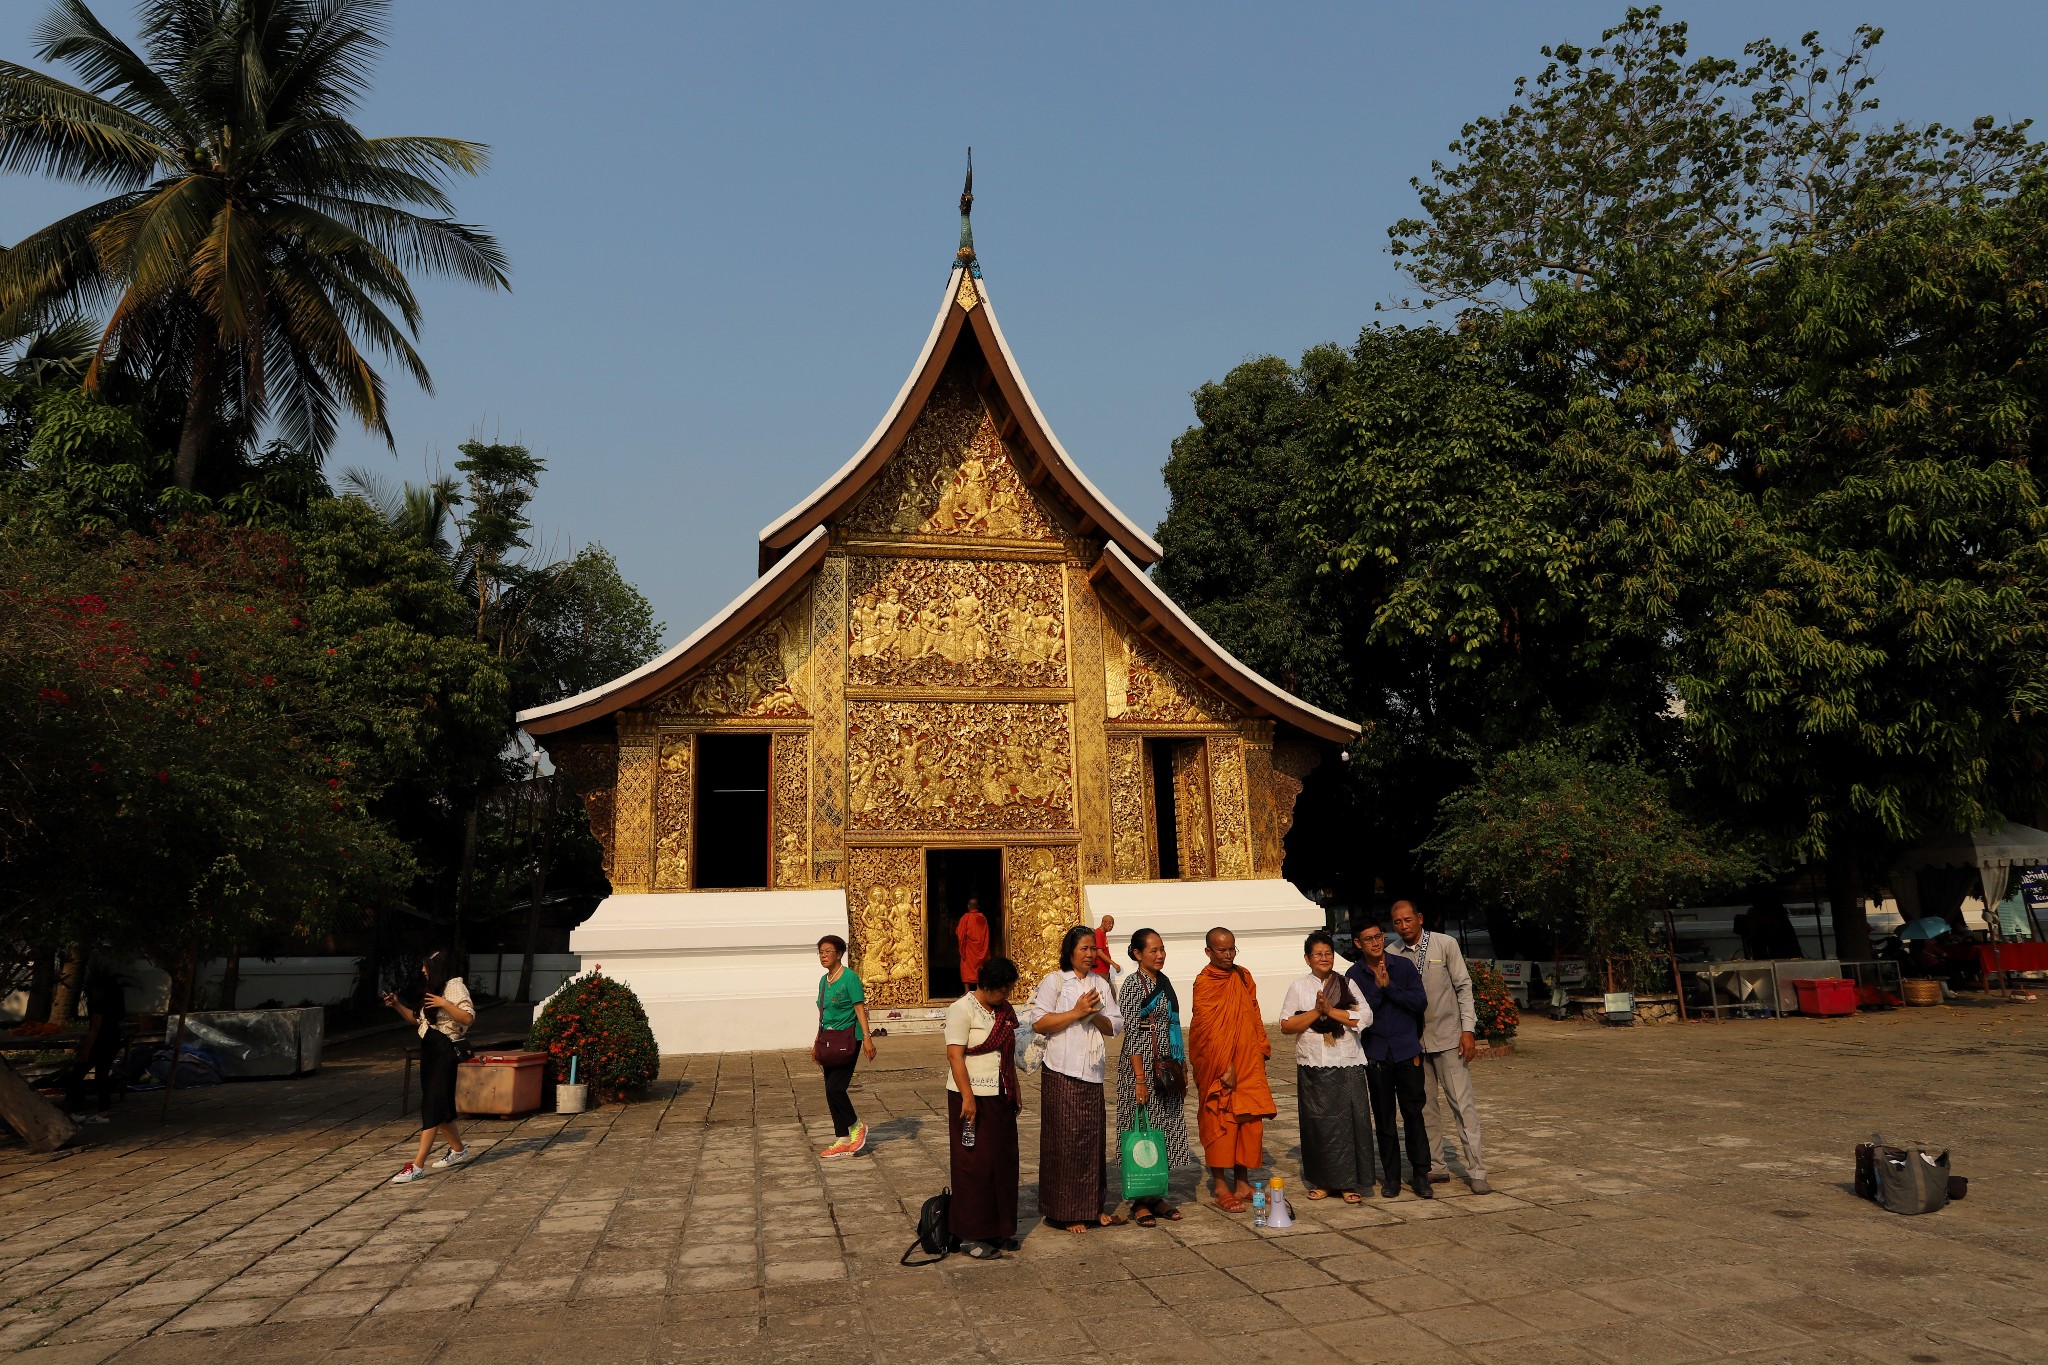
[1267, 853]
[1092, 779]
[789, 784]
[1229, 813]
[1042, 884]
[885, 907]
[1191, 809]
[1133, 850]
[675, 799]
[828, 736]
[633, 816]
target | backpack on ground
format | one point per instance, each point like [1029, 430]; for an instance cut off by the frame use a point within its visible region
[934, 1231]
[1902, 1179]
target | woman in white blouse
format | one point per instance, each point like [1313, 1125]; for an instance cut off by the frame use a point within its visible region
[443, 1020]
[1075, 1012]
[1324, 1017]
[981, 1111]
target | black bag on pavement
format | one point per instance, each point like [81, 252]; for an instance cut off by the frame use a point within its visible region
[934, 1231]
[1902, 1179]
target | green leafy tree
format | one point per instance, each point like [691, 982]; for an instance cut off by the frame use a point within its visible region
[257, 242]
[1588, 850]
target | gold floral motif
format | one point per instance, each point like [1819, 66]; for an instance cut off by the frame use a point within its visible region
[1191, 808]
[1091, 758]
[958, 765]
[1130, 813]
[791, 787]
[885, 909]
[956, 622]
[674, 795]
[1142, 684]
[766, 675]
[952, 476]
[967, 298]
[828, 695]
[633, 815]
[1044, 884]
[1229, 816]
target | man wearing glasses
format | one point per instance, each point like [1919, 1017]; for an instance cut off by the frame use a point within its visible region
[1393, 1057]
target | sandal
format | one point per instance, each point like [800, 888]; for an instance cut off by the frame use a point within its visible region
[1229, 1202]
[1353, 1197]
[983, 1251]
[1170, 1212]
[1319, 1194]
[1115, 1220]
[1143, 1218]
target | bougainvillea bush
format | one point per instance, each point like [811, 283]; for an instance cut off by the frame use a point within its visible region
[601, 1022]
[1498, 1017]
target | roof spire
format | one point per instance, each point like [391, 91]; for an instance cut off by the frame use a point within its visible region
[965, 256]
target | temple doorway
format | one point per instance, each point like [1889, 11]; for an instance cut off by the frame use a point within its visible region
[951, 876]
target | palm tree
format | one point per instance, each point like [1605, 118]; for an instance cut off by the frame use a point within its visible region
[256, 241]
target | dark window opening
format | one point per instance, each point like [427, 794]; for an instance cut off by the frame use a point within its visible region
[1165, 813]
[732, 812]
[953, 876]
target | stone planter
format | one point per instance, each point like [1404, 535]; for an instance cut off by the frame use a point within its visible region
[1486, 1050]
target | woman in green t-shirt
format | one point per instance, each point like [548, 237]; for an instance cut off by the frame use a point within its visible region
[842, 1009]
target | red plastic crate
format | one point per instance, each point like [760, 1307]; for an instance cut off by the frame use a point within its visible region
[1826, 995]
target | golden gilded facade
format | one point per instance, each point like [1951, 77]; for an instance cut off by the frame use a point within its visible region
[948, 650]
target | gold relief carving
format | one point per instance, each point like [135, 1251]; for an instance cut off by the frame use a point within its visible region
[1259, 778]
[1130, 810]
[791, 788]
[674, 796]
[828, 692]
[967, 298]
[952, 476]
[1191, 808]
[1091, 757]
[1229, 816]
[885, 909]
[633, 813]
[1141, 684]
[765, 675]
[958, 766]
[1292, 763]
[956, 622]
[593, 771]
[1044, 886]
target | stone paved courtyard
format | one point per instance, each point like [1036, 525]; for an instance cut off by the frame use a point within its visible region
[1665, 1194]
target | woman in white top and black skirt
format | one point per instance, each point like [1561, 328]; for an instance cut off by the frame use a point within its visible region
[982, 1101]
[443, 1020]
[1075, 1012]
[1324, 1017]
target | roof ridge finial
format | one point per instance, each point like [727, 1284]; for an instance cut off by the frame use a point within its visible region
[965, 256]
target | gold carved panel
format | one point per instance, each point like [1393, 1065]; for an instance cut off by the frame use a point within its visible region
[958, 766]
[789, 787]
[1191, 809]
[1230, 816]
[764, 676]
[956, 623]
[952, 477]
[1141, 684]
[633, 816]
[828, 694]
[1091, 759]
[1130, 810]
[593, 770]
[885, 907]
[1044, 889]
[675, 797]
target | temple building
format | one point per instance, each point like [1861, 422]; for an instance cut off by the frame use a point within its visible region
[952, 678]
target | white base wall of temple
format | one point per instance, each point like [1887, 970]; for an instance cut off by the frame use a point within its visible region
[718, 971]
[1269, 916]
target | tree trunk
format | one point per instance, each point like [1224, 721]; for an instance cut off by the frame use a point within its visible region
[467, 876]
[42, 984]
[540, 886]
[70, 981]
[1845, 905]
[231, 977]
[201, 408]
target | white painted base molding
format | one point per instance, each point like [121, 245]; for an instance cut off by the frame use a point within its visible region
[1270, 919]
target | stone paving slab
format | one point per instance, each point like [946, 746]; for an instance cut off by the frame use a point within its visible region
[1663, 1193]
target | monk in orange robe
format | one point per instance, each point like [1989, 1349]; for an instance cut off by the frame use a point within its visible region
[972, 932]
[1228, 1049]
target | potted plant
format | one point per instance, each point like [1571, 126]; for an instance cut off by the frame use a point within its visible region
[601, 1024]
[1495, 1005]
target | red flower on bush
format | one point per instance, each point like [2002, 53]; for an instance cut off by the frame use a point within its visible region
[600, 1021]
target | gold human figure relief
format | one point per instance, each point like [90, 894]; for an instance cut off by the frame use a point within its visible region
[791, 791]
[767, 674]
[952, 476]
[674, 799]
[956, 623]
[1129, 812]
[1140, 683]
[1229, 813]
[1045, 894]
[885, 910]
[959, 766]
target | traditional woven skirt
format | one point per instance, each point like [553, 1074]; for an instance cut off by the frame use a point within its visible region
[1073, 1174]
[1336, 1127]
[985, 1175]
[437, 1079]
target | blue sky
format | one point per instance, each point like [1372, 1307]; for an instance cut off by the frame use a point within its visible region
[729, 224]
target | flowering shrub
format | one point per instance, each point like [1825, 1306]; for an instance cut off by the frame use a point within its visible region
[1498, 1018]
[600, 1021]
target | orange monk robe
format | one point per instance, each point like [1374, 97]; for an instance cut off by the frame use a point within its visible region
[972, 932]
[1225, 1034]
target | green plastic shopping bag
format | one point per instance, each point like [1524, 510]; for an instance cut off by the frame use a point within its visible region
[1144, 1161]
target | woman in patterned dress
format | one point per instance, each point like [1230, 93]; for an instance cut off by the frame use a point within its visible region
[1152, 1034]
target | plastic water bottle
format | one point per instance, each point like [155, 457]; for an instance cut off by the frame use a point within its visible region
[967, 1132]
[1258, 1204]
